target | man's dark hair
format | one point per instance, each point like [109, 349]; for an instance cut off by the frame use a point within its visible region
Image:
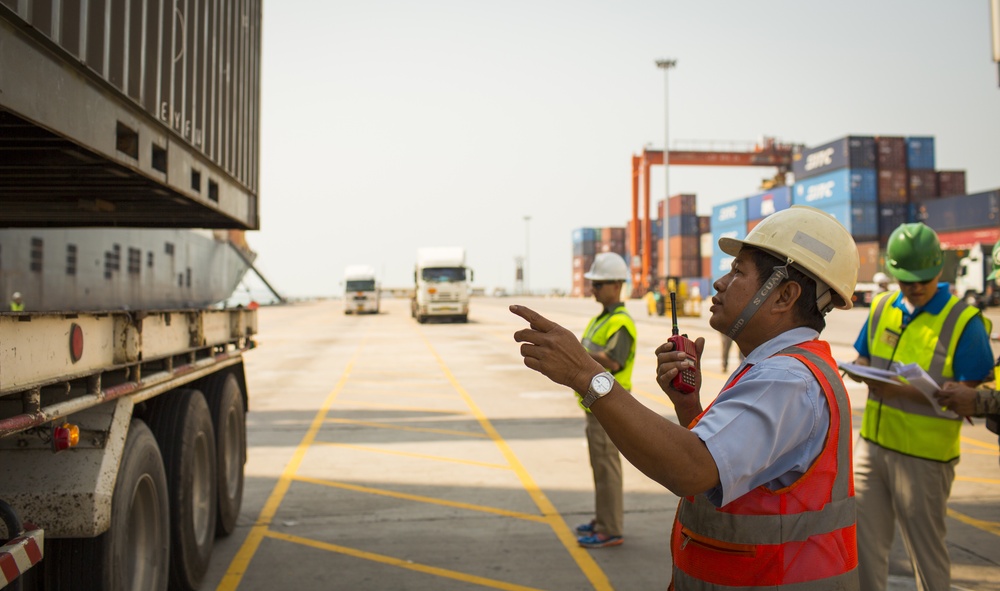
[805, 307]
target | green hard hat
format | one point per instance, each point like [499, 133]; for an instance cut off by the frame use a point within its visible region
[914, 253]
[996, 262]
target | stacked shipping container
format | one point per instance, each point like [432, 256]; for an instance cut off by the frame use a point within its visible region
[587, 242]
[684, 238]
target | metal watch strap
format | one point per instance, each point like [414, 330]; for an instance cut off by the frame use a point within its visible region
[591, 397]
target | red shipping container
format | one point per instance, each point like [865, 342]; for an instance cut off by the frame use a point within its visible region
[685, 267]
[615, 234]
[685, 247]
[682, 204]
[753, 224]
[661, 209]
[893, 186]
[870, 257]
[890, 153]
[704, 224]
[706, 267]
[951, 182]
[923, 184]
[969, 238]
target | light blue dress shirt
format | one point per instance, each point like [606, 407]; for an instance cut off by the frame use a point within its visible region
[769, 427]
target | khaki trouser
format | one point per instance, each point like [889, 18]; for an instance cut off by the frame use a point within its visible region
[891, 487]
[607, 464]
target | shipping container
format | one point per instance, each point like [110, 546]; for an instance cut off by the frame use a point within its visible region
[920, 153]
[732, 213]
[721, 262]
[684, 267]
[962, 212]
[893, 186]
[891, 152]
[761, 205]
[950, 182]
[847, 152]
[706, 268]
[683, 225]
[860, 219]
[704, 224]
[870, 257]
[969, 238]
[891, 216]
[685, 247]
[682, 204]
[147, 114]
[923, 184]
[839, 186]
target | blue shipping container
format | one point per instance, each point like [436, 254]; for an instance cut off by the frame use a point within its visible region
[848, 152]
[764, 204]
[584, 235]
[891, 216]
[860, 219]
[683, 225]
[721, 262]
[733, 213]
[839, 186]
[963, 212]
[920, 153]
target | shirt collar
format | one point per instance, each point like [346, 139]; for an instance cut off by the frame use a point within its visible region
[934, 306]
[784, 340]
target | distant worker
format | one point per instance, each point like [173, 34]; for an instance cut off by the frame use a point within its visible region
[16, 304]
[610, 338]
[727, 345]
[765, 470]
[905, 444]
[881, 280]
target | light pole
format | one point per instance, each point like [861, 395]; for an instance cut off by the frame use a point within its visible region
[665, 65]
[527, 290]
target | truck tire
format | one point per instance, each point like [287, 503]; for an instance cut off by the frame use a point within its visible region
[225, 399]
[182, 424]
[133, 553]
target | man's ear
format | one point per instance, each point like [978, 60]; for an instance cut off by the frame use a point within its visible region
[788, 293]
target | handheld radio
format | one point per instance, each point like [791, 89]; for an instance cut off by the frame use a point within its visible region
[685, 381]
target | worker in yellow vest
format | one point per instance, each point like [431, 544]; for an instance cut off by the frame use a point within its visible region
[16, 303]
[904, 460]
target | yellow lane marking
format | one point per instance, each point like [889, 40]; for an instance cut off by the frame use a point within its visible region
[659, 399]
[430, 570]
[975, 479]
[991, 446]
[423, 499]
[396, 393]
[991, 527]
[404, 428]
[391, 452]
[586, 563]
[365, 404]
[241, 562]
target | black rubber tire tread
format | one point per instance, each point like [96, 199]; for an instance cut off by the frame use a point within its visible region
[177, 419]
[90, 564]
[225, 400]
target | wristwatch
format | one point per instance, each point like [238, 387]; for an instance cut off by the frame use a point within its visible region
[599, 386]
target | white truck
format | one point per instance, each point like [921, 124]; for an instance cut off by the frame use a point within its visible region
[441, 284]
[122, 431]
[971, 280]
[362, 293]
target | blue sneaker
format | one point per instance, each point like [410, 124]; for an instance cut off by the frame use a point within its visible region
[600, 541]
[586, 529]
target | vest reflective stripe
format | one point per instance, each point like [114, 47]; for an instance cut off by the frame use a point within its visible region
[845, 582]
[598, 333]
[900, 424]
[801, 537]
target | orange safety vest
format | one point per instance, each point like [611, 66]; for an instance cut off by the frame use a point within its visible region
[802, 536]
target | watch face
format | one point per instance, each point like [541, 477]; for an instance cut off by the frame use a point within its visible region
[601, 384]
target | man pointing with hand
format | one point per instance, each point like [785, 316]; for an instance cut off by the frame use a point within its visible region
[765, 470]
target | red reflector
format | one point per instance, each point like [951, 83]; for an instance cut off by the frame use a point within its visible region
[75, 342]
[65, 436]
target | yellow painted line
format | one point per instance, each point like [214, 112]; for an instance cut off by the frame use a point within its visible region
[405, 428]
[991, 446]
[659, 399]
[976, 479]
[379, 450]
[586, 563]
[423, 499]
[408, 394]
[241, 562]
[365, 404]
[421, 568]
[991, 527]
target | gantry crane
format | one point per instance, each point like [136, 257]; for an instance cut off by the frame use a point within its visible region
[767, 152]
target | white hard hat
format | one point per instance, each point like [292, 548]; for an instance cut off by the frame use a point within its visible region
[880, 278]
[608, 266]
[814, 242]
[16, 295]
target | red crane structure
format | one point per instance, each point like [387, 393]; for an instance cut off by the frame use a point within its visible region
[767, 152]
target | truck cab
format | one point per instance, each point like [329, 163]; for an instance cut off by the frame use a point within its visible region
[971, 280]
[362, 293]
[441, 285]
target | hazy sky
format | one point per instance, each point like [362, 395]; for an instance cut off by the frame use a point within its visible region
[390, 125]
